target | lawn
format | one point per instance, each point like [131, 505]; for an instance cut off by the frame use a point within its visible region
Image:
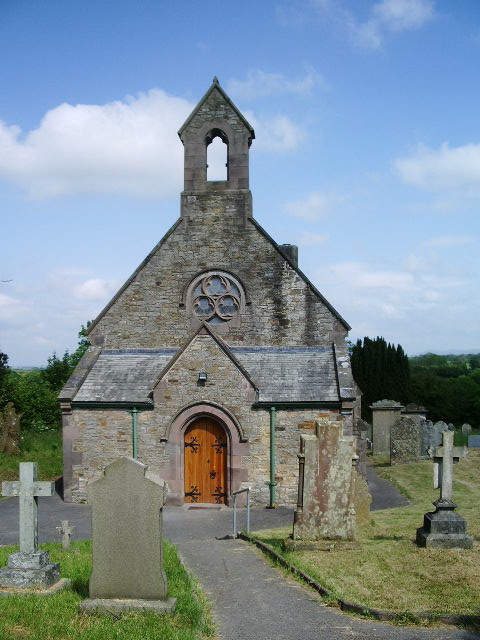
[57, 617]
[389, 571]
[44, 448]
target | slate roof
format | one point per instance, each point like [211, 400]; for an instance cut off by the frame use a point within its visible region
[291, 374]
[281, 374]
[124, 375]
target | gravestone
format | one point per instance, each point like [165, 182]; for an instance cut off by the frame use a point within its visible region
[431, 435]
[329, 486]
[466, 428]
[384, 415]
[474, 442]
[444, 528]
[9, 430]
[66, 530]
[405, 441]
[30, 568]
[413, 410]
[128, 572]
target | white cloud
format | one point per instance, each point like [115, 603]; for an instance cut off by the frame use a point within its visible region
[276, 133]
[386, 16]
[449, 241]
[310, 239]
[447, 168]
[401, 15]
[260, 83]
[93, 289]
[124, 147]
[14, 311]
[127, 146]
[314, 206]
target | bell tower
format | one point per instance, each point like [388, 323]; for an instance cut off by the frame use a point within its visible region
[216, 116]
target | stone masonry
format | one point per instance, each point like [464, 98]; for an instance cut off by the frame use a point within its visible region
[284, 344]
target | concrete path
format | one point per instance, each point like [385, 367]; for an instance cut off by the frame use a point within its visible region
[251, 599]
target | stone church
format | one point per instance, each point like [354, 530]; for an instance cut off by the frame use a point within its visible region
[217, 353]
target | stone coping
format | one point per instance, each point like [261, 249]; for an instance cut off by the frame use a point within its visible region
[360, 609]
[63, 583]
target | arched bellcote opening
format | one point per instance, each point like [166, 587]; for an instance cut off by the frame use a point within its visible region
[216, 143]
[215, 124]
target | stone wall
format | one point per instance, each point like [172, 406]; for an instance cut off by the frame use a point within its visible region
[100, 436]
[281, 308]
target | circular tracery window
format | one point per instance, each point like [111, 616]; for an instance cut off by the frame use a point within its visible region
[216, 299]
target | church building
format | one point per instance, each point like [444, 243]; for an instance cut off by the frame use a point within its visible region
[216, 354]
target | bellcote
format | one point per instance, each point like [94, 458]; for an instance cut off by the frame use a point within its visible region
[216, 116]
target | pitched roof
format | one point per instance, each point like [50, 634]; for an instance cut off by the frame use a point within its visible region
[291, 374]
[215, 86]
[281, 374]
[124, 375]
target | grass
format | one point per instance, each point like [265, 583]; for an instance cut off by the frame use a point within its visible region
[45, 448]
[57, 617]
[389, 571]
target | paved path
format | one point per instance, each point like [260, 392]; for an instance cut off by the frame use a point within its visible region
[251, 599]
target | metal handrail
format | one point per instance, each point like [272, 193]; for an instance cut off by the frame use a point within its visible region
[235, 494]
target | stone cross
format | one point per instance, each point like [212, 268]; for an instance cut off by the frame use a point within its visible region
[444, 458]
[66, 530]
[28, 489]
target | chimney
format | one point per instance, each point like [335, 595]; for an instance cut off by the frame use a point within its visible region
[291, 251]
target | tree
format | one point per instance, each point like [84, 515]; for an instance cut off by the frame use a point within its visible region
[381, 371]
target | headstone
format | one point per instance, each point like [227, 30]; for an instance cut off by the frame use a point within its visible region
[431, 435]
[474, 442]
[406, 440]
[451, 426]
[328, 485]
[444, 528]
[128, 572]
[30, 568]
[9, 430]
[466, 428]
[66, 530]
[384, 415]
[413, 410]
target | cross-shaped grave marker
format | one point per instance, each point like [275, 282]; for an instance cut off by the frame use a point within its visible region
[29, 568]
[444, 528]
[28, 489]
[444, 457]
[66, 530]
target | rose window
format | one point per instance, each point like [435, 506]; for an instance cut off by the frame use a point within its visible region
[216, 299]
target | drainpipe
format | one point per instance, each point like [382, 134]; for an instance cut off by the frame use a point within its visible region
[272, 482]
[134, 411]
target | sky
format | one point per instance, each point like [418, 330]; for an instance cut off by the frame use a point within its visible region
[366, 156]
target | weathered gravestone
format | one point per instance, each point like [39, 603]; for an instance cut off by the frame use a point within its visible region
[30, 568]
[405, 441]
[384, 415]
[128, 569]
[66, 530]
[9, 430]
[331, 494]
[431, 435]
[444, 528]
[466, 428]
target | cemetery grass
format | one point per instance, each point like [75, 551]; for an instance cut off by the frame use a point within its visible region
[389, 571]
[44, 447]
[57, 617]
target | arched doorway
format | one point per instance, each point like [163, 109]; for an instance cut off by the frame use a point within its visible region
[205, 463]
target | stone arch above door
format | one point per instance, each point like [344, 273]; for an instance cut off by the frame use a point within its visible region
[173, 471]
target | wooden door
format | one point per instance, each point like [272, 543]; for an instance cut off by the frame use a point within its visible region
[205, 462]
